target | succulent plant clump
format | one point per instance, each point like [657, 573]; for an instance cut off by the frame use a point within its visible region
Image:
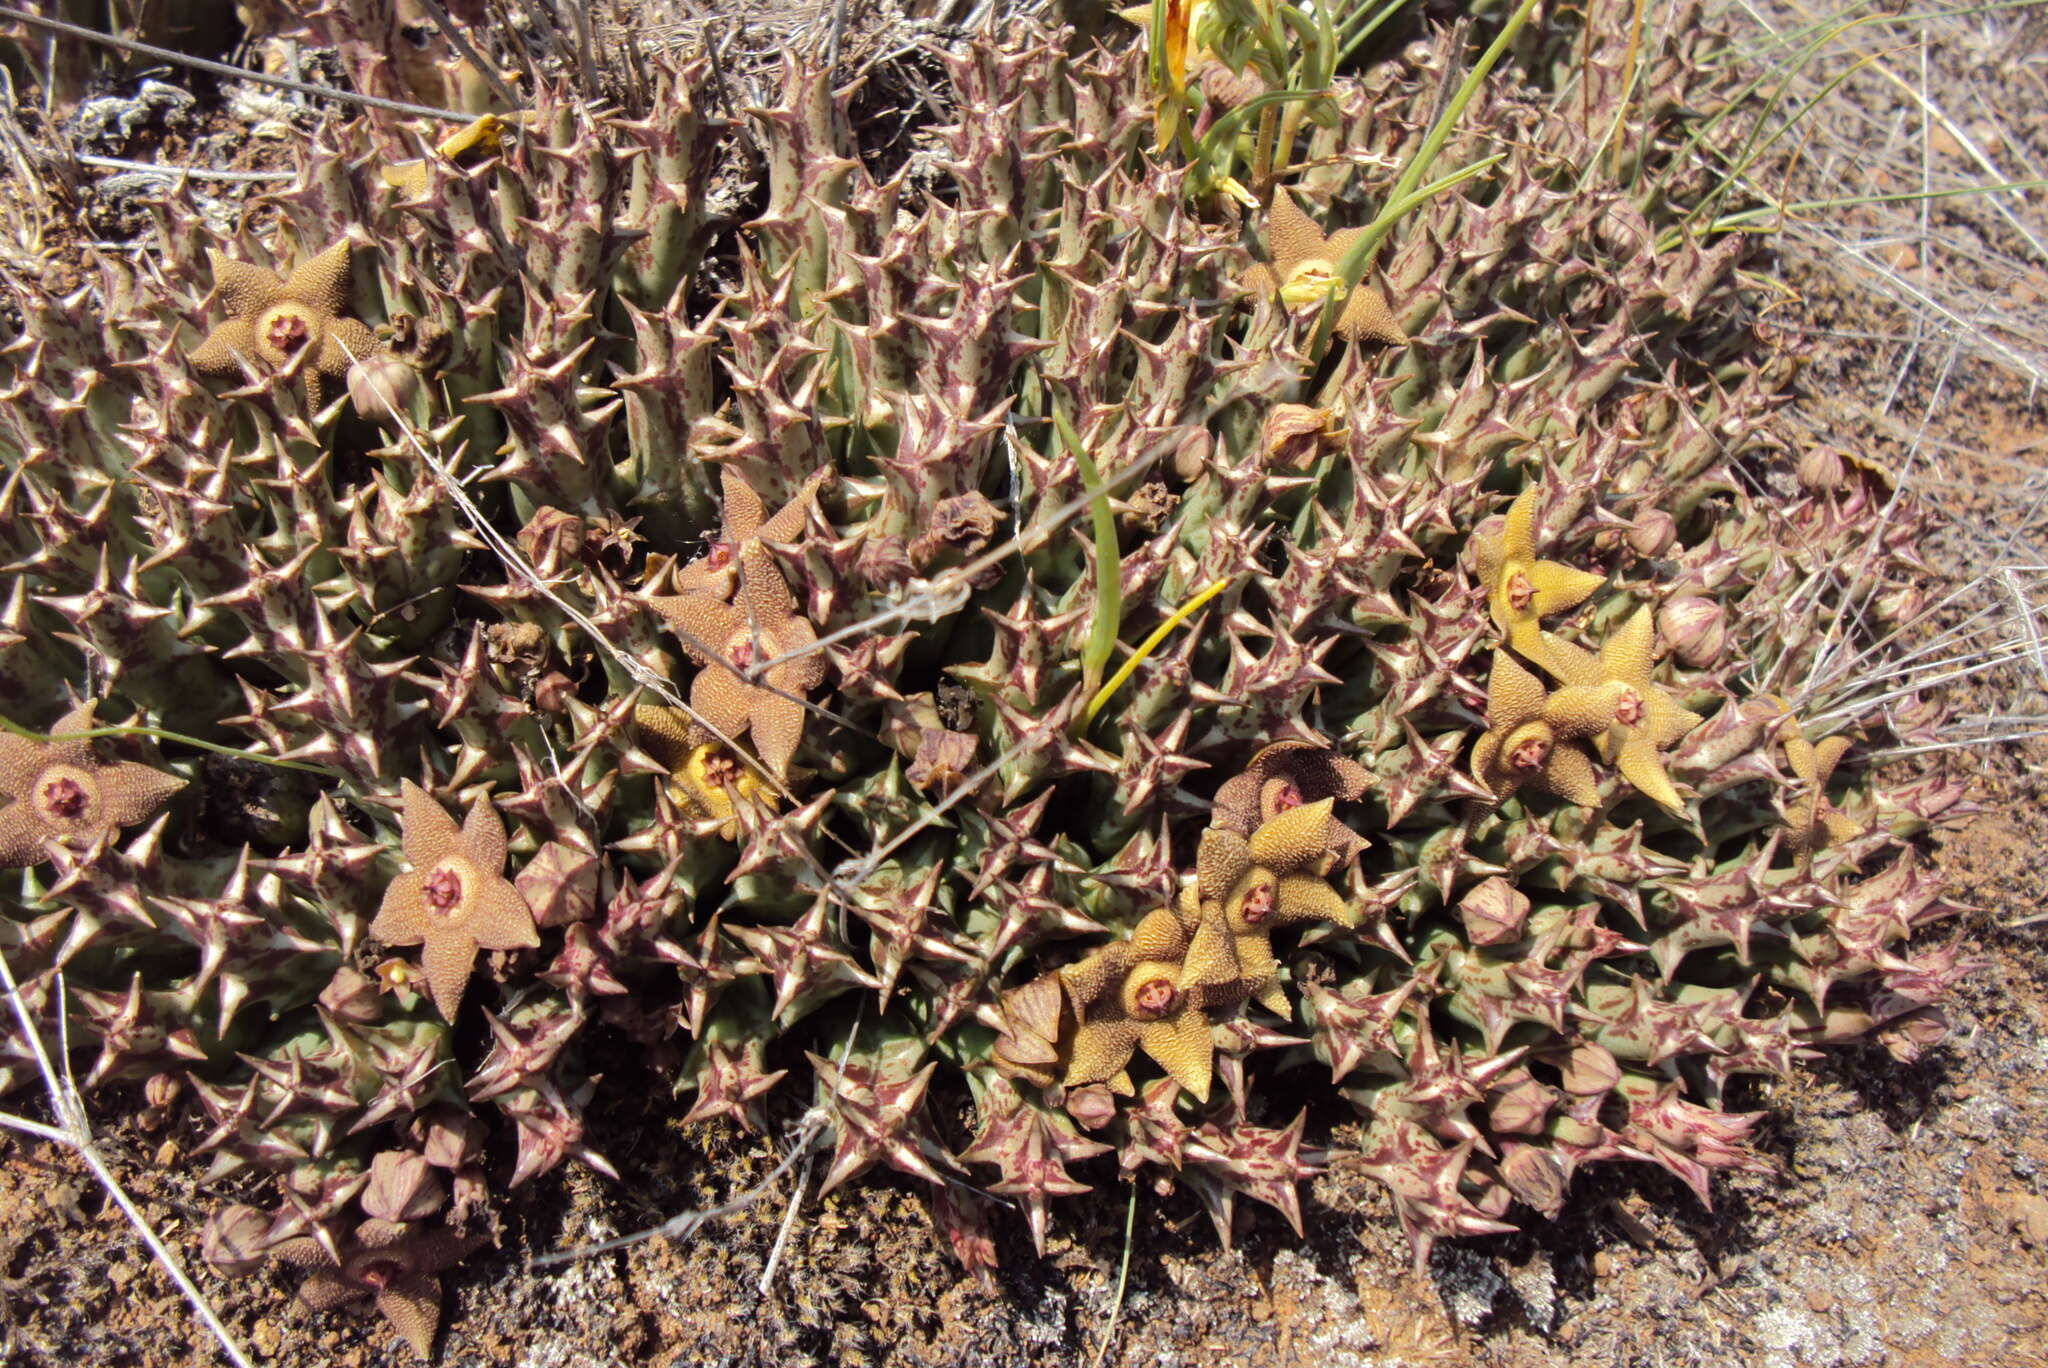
[1412, 714]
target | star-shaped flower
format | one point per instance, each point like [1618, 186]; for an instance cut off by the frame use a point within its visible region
[1646, 719]
[760, 623]
[63, 791]
[455, 898]
[1149, 1009]
[394, 1262]
[1814, 822]
[1286, 775]
[1520, 590]
[1304, 271]
[1529, 733]
[1161, 936]
[705, 779]
[277, 323]
[1249, 886]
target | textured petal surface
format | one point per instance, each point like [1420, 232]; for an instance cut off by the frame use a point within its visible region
[778, 725]
[21, 837]
[402, 917]
[226, 349]
[1295, 840]
[1291, 236]
[483, 838]
[1182, 1046]
[322, 282]
[134, 793]
[428, 834]
[723, 700]
[1222, 860]
[1367, 318]
[343, 342]
[1637, 760]
[701, 623]
[799, 674]
[743, 507]
[1513, 695]
[1300, 898]
[1568, 773]
[246, 290]
[20, 761]
[500, 919]
[448, 960]
[1101, 1049]
[764, 599]
[413, 1306]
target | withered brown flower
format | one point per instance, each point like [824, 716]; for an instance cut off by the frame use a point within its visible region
[1304, 270]
[393, 1261]
[279, 322]
[63, 791]
[1284, 776]
[455, 898]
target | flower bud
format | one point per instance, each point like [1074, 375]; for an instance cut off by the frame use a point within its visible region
[1696, 627]
[233, 1239]
[402, 1188]
[1652, 533]
[351, 996]
[1493, 912]
[380, 385]
[1822, 470]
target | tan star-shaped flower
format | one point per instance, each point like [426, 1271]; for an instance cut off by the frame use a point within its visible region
[704, 778]
[393, 1261]
[1148, 1010]
[455, 899]
[1304, 271]
[1646, 719]
[278, 323]
[761, 623]
[1814, 822]
[1159, 936]
[1249, 886]
[1529, 734]
[1520, 590]
[63, 791]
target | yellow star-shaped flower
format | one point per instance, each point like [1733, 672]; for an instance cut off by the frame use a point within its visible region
[1520, 590]
[705, 779]
[1152, 1011]
[1646, 719]
[1529, 734]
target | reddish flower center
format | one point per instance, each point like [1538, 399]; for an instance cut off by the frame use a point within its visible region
[721, 771]
[741, 652]
[1529, 753]
[63, 797]
[1628, 708]
[1286, 795]
[1257, 905]
[1155, 997]
[380, 1273]
[1521, 593]
[443, 891]
[286, 331]
[718, 555]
